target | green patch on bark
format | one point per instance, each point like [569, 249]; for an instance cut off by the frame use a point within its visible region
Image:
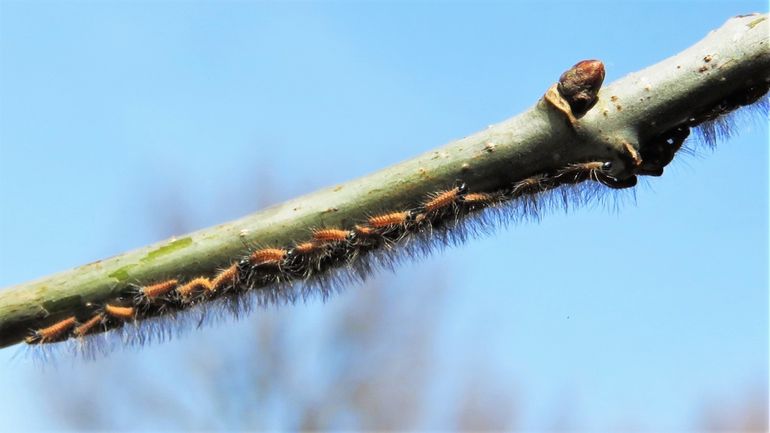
[167, 249]
[121, 274]
[753, 23]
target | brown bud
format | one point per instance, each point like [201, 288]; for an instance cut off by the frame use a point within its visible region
[580, 85]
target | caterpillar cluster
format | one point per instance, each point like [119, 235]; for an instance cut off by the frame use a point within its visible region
[274, 272]
[277, 274]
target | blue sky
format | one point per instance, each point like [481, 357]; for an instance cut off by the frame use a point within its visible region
[125, 123]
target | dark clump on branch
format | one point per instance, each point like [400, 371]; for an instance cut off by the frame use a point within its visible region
[714, 123]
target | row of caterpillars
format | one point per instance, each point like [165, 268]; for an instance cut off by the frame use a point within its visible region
[326, 249]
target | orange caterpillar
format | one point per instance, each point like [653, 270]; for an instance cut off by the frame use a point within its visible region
[195, 285]
[444, 199]
[388, 220]
[227, 277]
[90, 325]
[119, 312]
[154, 291]
[331, 235]
[529, 186]
[53, 332]
[363, 230]
[575, 173]
[598, 172]
[481, 199]
[305, 248]
[267, 256]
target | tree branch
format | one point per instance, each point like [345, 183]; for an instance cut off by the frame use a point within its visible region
[728, 68]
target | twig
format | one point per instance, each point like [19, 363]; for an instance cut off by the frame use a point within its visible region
[729, 66]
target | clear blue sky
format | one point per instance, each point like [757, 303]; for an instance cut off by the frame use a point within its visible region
[124, 123]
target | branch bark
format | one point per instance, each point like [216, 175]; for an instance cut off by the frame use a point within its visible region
[632, 111]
